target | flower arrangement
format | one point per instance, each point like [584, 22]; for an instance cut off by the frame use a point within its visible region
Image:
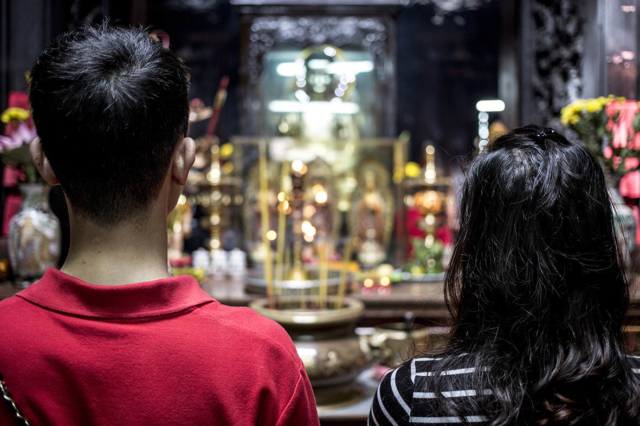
[14, 145]
[609, 128]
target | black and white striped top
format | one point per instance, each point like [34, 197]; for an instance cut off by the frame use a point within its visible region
[403, 397]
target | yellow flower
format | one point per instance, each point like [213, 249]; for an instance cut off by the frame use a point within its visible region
[593, 105]
[412, 169]
[14, 113]
[571, 113]
[227, 168]
[226, 150]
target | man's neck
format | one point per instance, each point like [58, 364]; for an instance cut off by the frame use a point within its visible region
[126, 254]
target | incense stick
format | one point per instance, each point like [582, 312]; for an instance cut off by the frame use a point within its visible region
[343, 273]
[264, 205]
[282, 222]
[298, 270]
[287, 269]
[323, 274]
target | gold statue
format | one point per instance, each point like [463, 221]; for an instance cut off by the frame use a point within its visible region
[372, 215]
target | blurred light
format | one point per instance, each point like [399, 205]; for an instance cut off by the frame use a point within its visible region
[308, 228]
[313, 107]
[301, 83]
[318, 64]
[177, 227]
[431, 150]
[215, 219]
[214, 174]
[343, 205]
[483, 132]
[306, 352]
[368, 283]
[271, 235]
[431, 263]
[627, 55]
[309, 211]
[490, 106]
[289, 69]
[215, 244]
[483, 117]
[308, 238]
[297, 166]
[385, 281]
[302, 96]
[430, 219]
[330, 51]
[339, 92]
[182, 200]
[628, 8]
[282, 196]
[428, 242]
[350, 69]
[322, 197]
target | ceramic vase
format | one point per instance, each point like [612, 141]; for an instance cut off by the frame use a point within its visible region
[624, 223]
[34, 235]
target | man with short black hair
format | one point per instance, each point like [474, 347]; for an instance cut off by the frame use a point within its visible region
[111, 338]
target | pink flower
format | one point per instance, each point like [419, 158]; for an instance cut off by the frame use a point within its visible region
[23, 135]
[608, 152]
[631, 163]
[622, 127]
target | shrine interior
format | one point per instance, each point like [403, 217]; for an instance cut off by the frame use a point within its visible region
[331, 144]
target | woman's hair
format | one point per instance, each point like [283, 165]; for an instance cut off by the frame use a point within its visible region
[537, 288]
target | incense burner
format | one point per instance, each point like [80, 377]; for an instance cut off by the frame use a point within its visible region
[333, 355]
[256, 283]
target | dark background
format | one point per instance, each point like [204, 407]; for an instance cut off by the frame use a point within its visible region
[444, 66]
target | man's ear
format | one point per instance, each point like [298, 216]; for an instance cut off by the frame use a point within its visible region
[183, 159]
[42, 162]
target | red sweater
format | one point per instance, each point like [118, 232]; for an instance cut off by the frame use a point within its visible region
[153, 353]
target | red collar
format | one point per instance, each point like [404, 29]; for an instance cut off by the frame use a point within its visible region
[64, 293]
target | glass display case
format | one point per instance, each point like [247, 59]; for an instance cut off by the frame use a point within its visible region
[320, 93]
[319, 154]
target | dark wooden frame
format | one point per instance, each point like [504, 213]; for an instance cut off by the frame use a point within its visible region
[369, 16]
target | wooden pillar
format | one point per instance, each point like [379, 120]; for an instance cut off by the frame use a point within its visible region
[509, 63]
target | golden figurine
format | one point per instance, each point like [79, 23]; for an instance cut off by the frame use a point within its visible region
[371, 220]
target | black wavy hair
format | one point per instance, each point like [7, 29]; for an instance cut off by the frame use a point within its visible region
[538, 290]
[110, 105]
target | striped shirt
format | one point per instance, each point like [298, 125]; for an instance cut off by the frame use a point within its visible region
[403, 397]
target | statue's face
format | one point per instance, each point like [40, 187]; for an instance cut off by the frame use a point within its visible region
[370, 180]
[320, 83]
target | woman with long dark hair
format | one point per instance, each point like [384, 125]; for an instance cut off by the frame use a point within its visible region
[538, 294]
